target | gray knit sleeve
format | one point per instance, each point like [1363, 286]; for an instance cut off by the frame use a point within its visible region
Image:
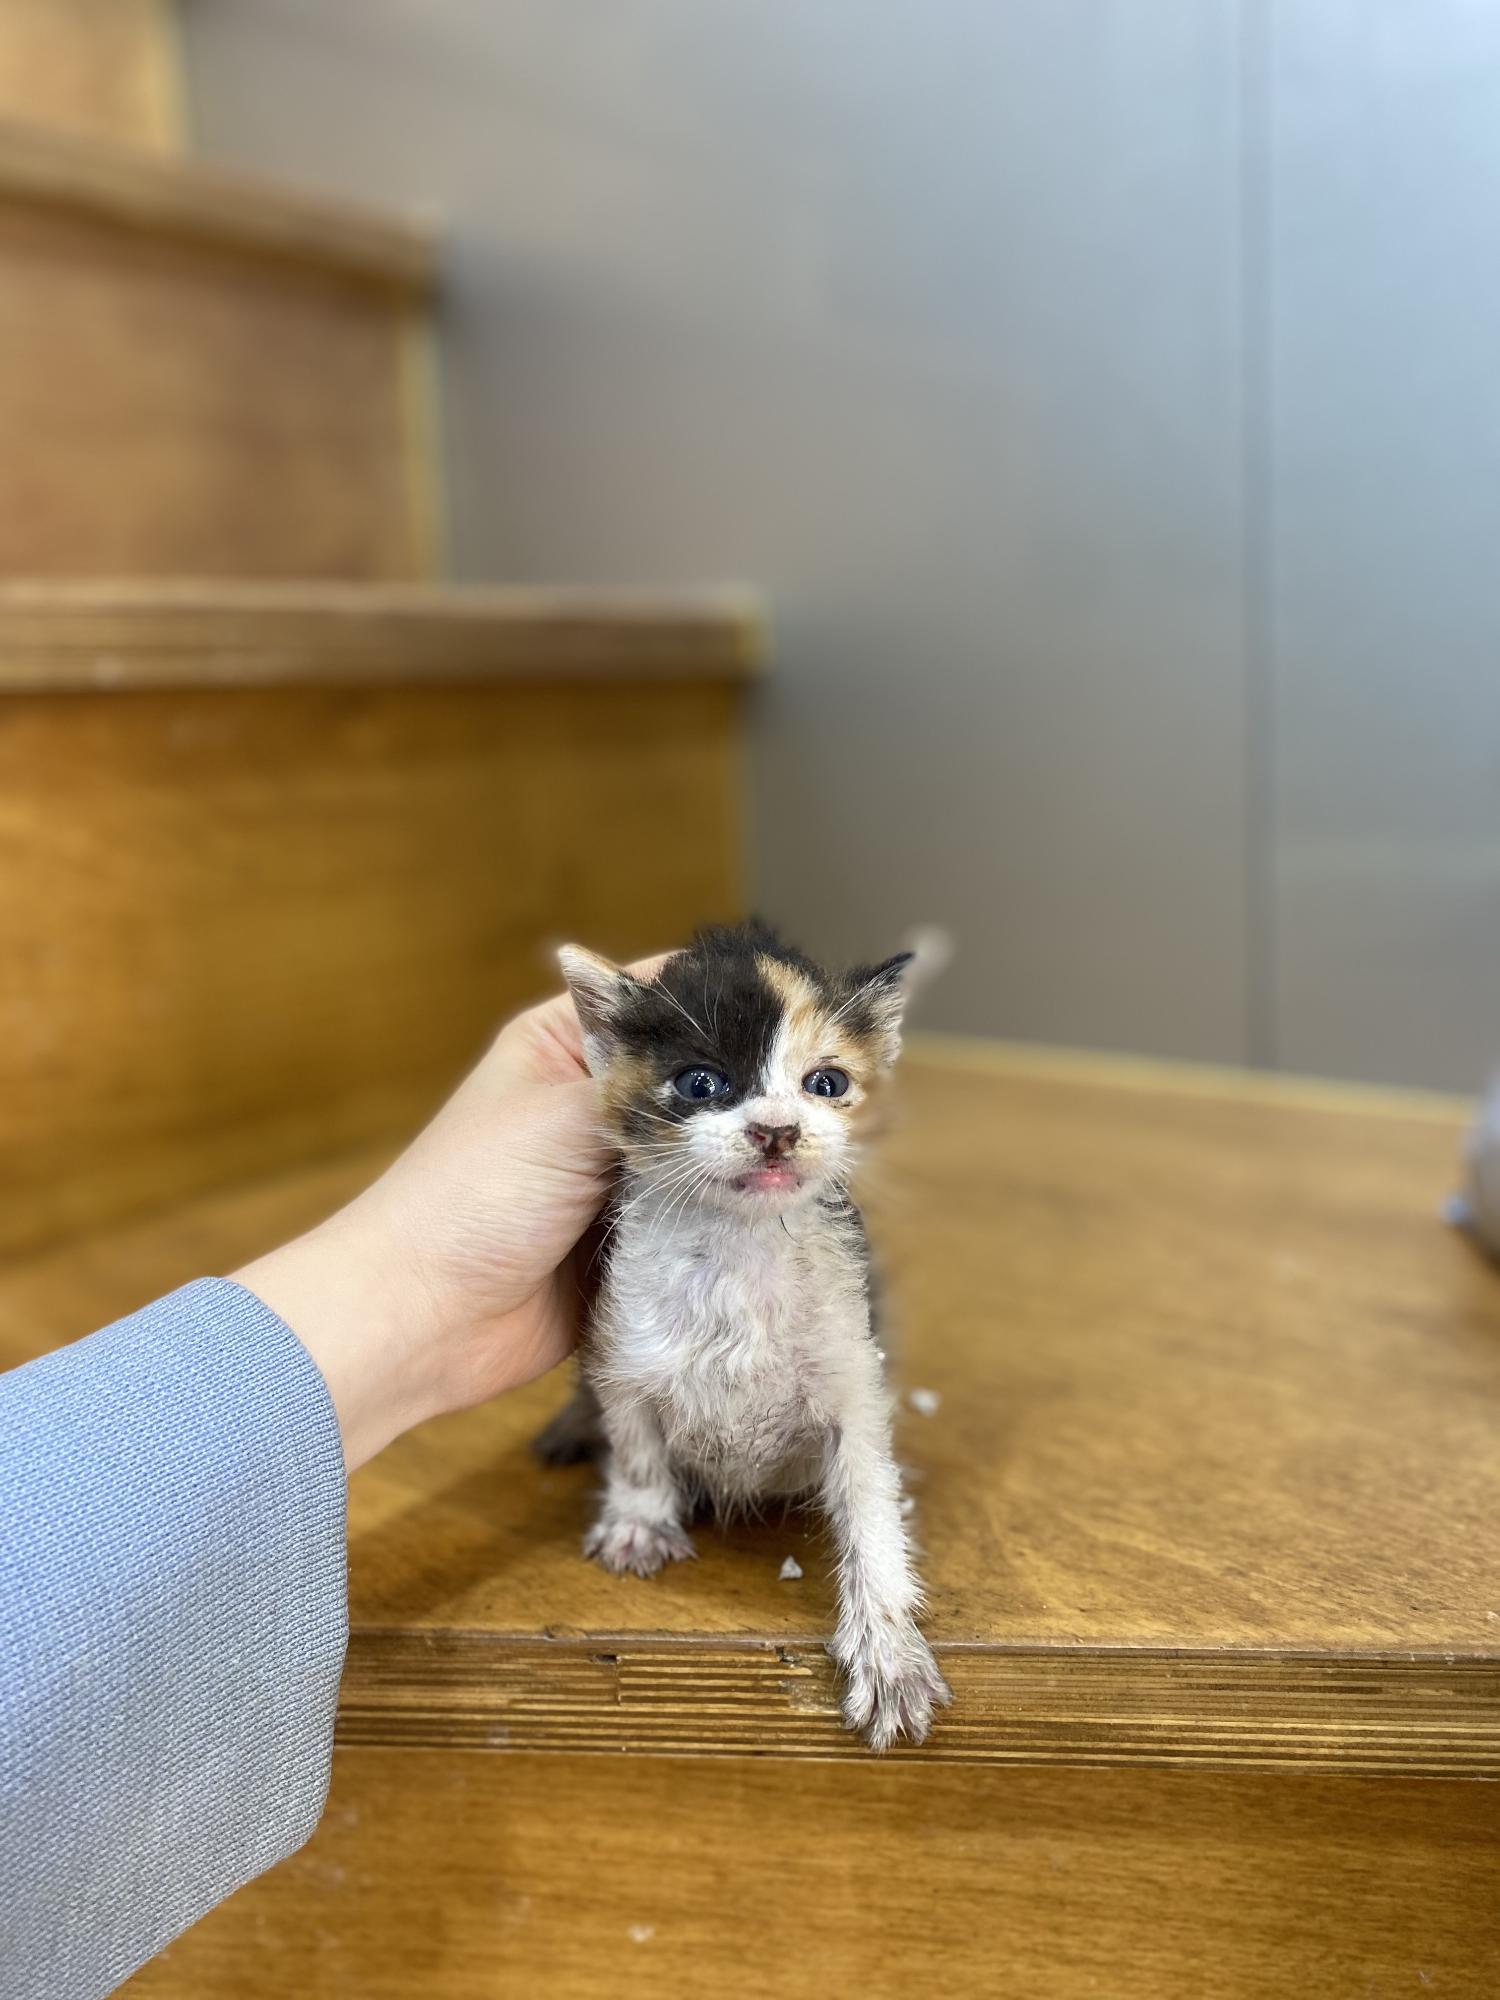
[172, 1629]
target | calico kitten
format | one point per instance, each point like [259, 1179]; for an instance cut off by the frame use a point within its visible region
[730, 1357]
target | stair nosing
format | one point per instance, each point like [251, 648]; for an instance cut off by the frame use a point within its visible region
[648, 1694]
[99, 637]
[156, 194]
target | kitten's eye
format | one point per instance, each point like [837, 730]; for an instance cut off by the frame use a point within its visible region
[699, 1085]
[826, 1083]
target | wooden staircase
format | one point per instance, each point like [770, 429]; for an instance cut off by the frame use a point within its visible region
[275, 860]
[1208, 1500]
[202, 376]
[286, 826]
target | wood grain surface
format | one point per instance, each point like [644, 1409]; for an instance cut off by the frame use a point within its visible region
[570, 1877]
[1207, 1506]
[161, 633]
[1212, 1479]
[643, 1694]
[173, 406]
[1212, 1374]
[249, 927]
[108, 68]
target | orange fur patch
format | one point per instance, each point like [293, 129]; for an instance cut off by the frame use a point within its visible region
[628, 1080]
[803, 1015]
[814, 1032]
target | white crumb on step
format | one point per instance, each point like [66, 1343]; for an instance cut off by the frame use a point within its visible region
[790, 1570]
[642, 1933]
[908, 1505]
[926, 1402]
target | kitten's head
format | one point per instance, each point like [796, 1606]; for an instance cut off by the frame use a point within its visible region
[734, 1077]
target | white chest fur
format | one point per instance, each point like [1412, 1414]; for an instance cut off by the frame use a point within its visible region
[740, 1335]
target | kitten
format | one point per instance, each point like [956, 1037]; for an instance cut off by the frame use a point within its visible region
[730, 1357]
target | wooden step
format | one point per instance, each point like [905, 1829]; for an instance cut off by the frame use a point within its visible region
[205, 376]
[108, 68]
[1208, 1510]
[272, 864]
[185, 633]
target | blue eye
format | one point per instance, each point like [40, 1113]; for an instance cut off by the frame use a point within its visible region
[699, 1085]
[826, 1083]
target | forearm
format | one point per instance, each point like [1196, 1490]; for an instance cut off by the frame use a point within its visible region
[172, 1628]
[350, 1292]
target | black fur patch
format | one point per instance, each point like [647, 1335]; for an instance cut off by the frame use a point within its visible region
[710, 1005]
[865, 994]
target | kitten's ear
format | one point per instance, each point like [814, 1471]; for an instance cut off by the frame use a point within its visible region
[599, 989]
[879, 994]
[882, 992]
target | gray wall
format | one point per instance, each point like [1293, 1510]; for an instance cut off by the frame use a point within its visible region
[1116, 472]
[1384, 319]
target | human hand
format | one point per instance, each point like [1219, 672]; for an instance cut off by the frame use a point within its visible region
[455, 1275]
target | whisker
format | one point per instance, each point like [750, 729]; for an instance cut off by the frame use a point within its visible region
[630, 1204]
[694, 1186]
[659, 1192]
[673, 1001]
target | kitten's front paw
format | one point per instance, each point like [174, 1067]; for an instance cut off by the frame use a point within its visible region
[636, 1548]
[892, 1683]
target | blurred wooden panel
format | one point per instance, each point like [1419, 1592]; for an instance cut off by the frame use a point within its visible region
[171, 633]
[245, 927]
[199, 380]
[470, 1876]
[97, 66]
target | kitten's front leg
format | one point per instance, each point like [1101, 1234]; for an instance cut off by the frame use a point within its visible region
[892, 1679]
[640, 1518]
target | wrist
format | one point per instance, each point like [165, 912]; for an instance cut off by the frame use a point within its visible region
[353, 1300]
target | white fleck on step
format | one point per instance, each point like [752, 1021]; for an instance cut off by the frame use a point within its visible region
[791, 1569]
[926, 1402]
[642, 1933]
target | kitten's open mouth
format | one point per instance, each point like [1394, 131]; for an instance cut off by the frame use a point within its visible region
[775, 1177]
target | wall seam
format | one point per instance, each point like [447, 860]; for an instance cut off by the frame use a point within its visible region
[1257, 28]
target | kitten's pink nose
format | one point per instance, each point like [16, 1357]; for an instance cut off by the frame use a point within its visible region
[773, 1140]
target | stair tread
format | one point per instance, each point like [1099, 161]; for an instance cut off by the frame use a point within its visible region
[134, 189]
[184, 632]
[1212, 1476]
